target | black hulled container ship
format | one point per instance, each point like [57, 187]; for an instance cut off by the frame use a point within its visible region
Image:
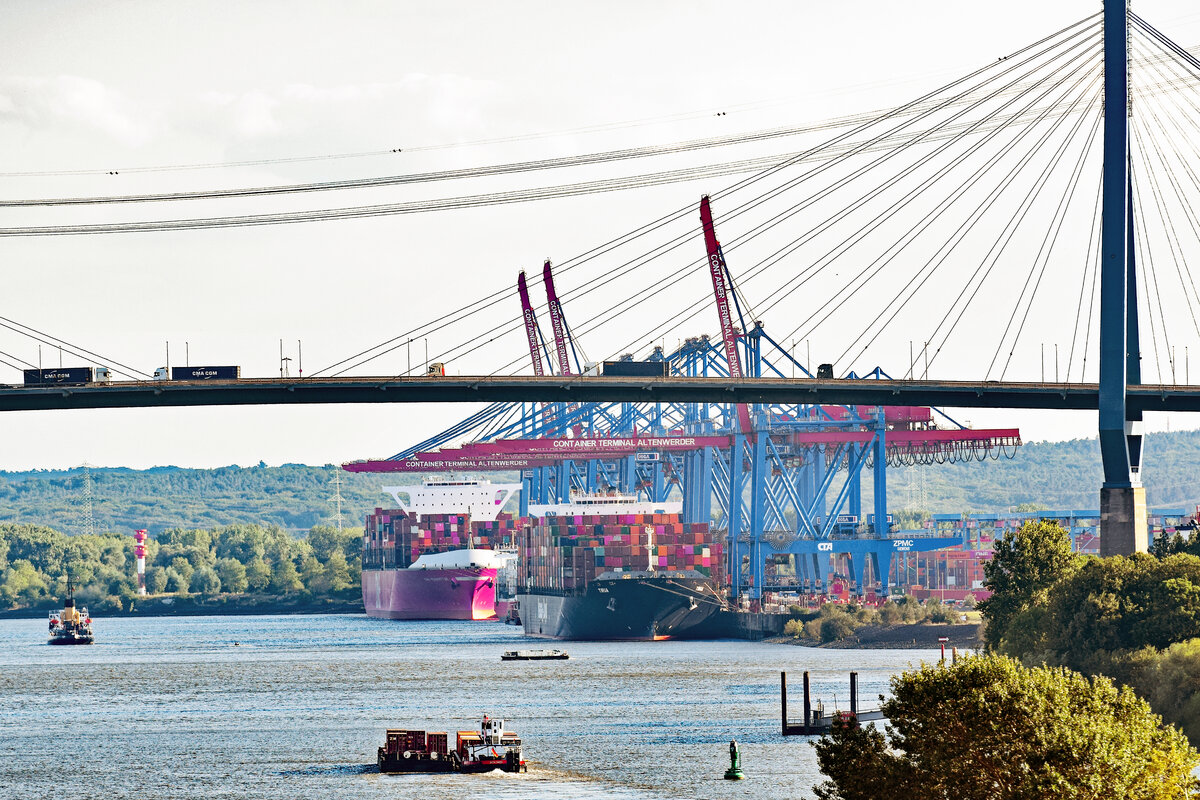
[588, 571]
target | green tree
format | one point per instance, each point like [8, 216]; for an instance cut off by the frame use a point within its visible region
[337, 572]
[156, 580]
[258, 575]
[1025, 563]
[175, 584]
[232, 575]
[987, 728]
[1118, 604]
[284, 577]
[22, 584]
[204, 581]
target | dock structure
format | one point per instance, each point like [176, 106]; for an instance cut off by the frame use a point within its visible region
[816, 719]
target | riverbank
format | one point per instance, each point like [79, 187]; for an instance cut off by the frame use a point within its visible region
[218, 605]
[920, 636]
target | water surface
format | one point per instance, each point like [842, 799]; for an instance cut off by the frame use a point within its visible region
[295, 706]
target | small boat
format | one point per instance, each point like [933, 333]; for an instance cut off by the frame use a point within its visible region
[71, 625]
[488, 749]
[533, 655]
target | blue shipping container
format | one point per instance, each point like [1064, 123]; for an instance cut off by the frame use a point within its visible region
[206, 373]
[58, 376]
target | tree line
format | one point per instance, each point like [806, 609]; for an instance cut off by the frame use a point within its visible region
[1090, 687]
[35, 561]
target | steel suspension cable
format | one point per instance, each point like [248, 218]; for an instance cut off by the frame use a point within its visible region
[1050, 240]
[741, 240]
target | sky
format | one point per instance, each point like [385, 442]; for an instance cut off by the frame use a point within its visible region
[183, 97]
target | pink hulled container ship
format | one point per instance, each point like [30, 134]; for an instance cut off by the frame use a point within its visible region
[437, 554]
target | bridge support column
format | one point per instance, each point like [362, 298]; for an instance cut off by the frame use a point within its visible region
[1123, 528]
[1122, 497]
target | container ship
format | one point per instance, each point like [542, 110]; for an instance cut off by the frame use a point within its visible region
[437, 553]
[616, 576]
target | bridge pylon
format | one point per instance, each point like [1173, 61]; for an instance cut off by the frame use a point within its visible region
[1122, 496]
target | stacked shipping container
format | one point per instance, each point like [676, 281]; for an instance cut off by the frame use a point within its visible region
[393, 539]
[564, 554]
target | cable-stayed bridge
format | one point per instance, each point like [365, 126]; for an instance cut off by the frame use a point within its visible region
[1045, 197]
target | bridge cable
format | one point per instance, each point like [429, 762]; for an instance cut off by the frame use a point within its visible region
[73, 349]
[961, 234]
[1087, 261]
[991, 260]
[796, 331]
[1051, 239]
[741, 240]
[688, 210]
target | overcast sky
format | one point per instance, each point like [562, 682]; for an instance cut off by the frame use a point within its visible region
[180, 96]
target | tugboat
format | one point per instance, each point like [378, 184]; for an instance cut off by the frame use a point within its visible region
[71, 625]
[488, 749]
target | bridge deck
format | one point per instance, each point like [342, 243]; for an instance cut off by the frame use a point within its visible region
[467, 389]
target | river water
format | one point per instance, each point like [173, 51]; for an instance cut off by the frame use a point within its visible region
[295, 706]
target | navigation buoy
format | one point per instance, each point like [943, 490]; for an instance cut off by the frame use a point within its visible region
[734, 773]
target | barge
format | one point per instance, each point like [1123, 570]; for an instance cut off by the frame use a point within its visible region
[489, 748]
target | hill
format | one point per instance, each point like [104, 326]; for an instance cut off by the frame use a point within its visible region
[296, 497]
[1058, 475]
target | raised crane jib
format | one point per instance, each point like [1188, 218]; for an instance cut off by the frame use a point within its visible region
[531, 332]
[557, 322]
[721, 290]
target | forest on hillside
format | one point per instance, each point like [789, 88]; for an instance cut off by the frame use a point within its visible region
[296, 497]
[243, 561]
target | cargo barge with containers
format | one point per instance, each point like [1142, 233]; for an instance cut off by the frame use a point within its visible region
[439, 552]
[614, 576]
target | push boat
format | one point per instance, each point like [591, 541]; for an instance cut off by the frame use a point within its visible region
[490, 748]
[534, 655]
[71, 625]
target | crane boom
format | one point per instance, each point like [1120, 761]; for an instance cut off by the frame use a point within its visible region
[556, 322]
[721, 289]
[531, 331]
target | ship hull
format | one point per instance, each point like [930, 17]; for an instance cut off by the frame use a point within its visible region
[641, 608]
[463, 593]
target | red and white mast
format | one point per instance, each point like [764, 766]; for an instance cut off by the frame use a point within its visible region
[139, 550]
[721, 289]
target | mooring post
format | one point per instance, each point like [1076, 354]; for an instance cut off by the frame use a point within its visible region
[854, 693]
[807, 706]
[783, 700]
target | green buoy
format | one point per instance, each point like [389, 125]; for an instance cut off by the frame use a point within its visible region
[734, 773]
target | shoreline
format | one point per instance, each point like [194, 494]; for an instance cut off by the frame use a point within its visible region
[915, 636]
[233, 606]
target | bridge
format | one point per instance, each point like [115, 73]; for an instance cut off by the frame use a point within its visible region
[592, 389]
[1028, 194]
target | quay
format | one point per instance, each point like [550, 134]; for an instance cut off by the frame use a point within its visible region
[816, 720]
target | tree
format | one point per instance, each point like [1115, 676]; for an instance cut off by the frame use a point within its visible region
[1025, 563]
[258, 575]
[988, 728]
[204, 581]
[22, 583]
[175, 583]
[232, 575]
[337, 572]
[156, 580]
[284, 577]
[1117, 604]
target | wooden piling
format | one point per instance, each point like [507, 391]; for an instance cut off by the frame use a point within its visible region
[807, 705]
[783, 700]
[854, 693]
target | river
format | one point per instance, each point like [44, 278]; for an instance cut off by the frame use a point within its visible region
[295, 706]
